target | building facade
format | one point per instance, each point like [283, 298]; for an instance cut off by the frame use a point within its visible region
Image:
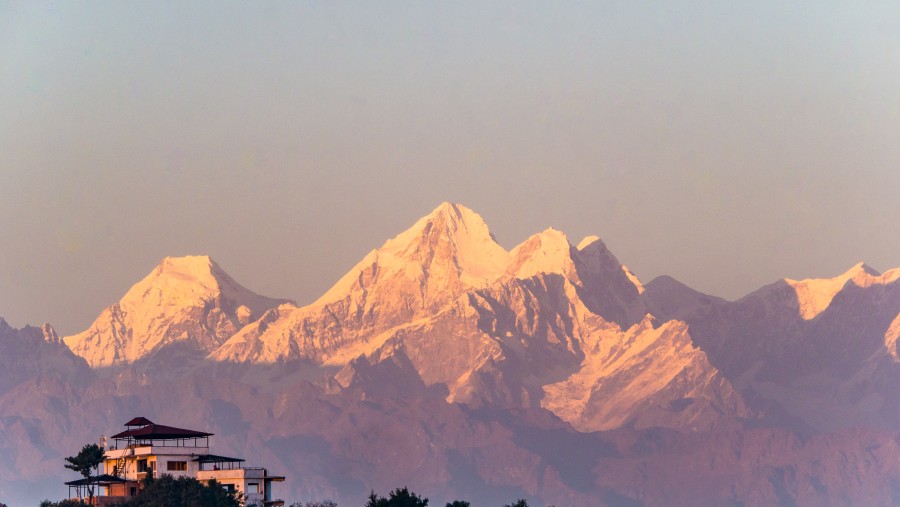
[148, 449]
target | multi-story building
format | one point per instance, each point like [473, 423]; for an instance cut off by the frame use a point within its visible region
[148, 449]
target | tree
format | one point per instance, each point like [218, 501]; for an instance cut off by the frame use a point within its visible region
[87, 462]
[167, 491]
[398, 498]
[458, 503]
[518, 503]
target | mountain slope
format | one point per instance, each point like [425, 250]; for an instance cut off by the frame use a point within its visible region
[824, 349]
[442, 255]
[667, 298]
[530, 340]
[185, 299]
[520, 329]
[414, 275]
[606, 287]
[648, 376]
[35, 352]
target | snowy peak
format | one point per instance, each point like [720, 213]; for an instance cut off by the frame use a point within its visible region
[587, 241]
[176, 281]
[598, 259]
[179, 281]
[456, 235]
[861, 274]
[891, 275]
[184, 299]
[451, 248]
[815, 295]
[892, 339]
[633, 279]
[193, 267]
[551, 252]
[50, 335]
[546, 252]
[606, 287]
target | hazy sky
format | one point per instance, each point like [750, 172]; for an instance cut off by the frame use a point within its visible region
[726, 145]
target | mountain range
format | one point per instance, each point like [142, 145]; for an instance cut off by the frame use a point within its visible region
[444, 362]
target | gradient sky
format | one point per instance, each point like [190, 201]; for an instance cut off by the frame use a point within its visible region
[726, 145]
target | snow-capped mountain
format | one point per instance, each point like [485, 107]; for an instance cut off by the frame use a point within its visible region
[184, 299]
[470, 371]
[607, 287]
[546, 324]
[411, 276]
[415, 275]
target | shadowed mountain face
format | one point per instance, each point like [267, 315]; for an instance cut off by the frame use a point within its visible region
[824, 350]
[35, 353]
[445, 363]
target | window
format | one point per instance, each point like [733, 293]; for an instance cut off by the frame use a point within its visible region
[141, 465]
[253, 487]
[176, 466]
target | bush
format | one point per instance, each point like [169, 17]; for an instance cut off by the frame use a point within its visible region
[398, 498]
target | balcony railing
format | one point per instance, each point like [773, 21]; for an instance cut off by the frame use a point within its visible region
[248, 473]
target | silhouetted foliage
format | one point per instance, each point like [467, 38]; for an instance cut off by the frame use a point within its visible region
[397, 498]
[518, 503]
[63, 503]
[458, 503]
[167, 491]
[87, 463]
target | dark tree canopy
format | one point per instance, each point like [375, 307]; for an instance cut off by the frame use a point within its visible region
[167, 491]
[458, 503]
[397, 498]
[518, 503]
[62, 503]
[86, 462]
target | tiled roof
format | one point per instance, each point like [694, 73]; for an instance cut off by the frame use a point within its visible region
[154, 431]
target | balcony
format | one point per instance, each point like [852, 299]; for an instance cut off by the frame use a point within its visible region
[232, 474]
[146, 450]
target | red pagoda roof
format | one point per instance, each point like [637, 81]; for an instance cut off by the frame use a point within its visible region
[154, 431]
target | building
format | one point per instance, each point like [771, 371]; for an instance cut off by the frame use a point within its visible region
[146, 448]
